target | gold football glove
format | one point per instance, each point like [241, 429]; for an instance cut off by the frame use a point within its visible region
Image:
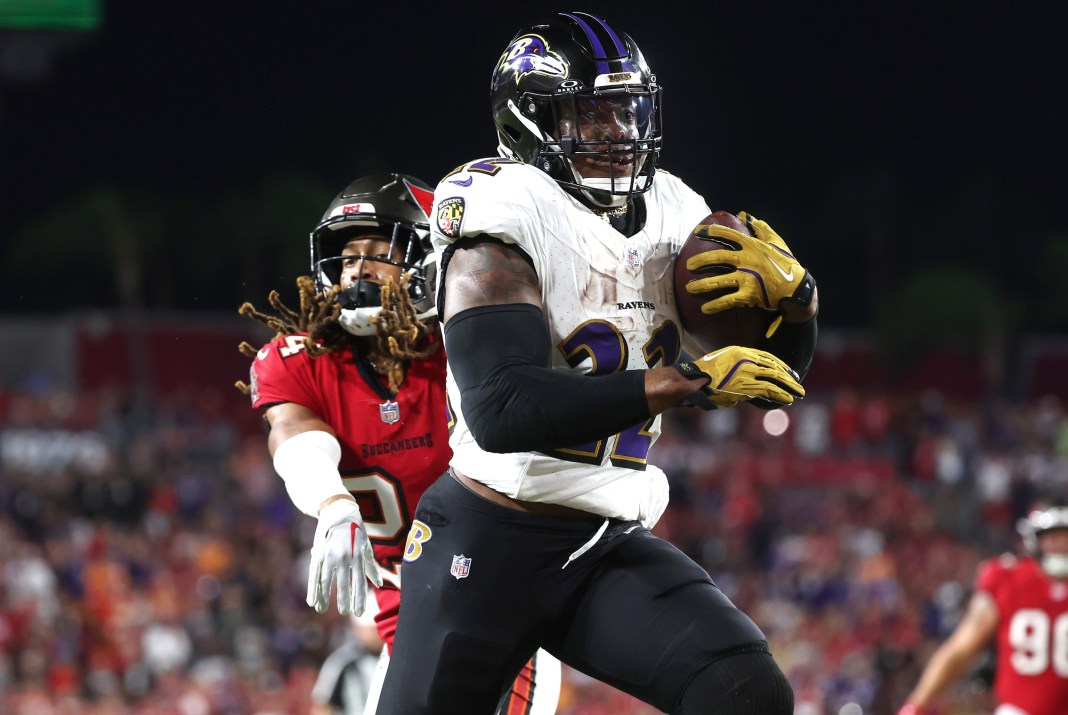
[737, 374]
[754, 271]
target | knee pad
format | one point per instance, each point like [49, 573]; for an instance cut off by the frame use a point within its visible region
[743, 683]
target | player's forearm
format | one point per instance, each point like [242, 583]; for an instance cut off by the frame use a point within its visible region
[666, 387]
[951, 660]
[303, 449]
[307, 463]
[794, 312]
[513, 401]
[794, 343]
[946, 666]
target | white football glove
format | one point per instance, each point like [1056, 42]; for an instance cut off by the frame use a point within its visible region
[341, 547]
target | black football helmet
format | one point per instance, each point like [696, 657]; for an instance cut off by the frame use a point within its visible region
[396, 206]
[573, 87]
[1044, 517]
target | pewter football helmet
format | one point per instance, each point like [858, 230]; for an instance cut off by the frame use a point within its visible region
[395, 207]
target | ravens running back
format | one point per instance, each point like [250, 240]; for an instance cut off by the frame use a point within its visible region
[563, 347]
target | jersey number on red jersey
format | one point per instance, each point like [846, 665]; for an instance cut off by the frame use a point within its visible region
[1037, 643]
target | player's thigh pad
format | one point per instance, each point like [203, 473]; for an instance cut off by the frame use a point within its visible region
[743, 682]
[650, 620]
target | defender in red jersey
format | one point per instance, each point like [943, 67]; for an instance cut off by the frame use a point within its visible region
[1021, 606]
[353, 387]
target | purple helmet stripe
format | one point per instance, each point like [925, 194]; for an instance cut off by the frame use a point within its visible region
[598, 50]
[621, 49]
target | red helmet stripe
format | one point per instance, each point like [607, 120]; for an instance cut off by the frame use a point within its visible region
[422, 196]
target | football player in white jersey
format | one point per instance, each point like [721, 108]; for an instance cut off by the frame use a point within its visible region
[563, 347]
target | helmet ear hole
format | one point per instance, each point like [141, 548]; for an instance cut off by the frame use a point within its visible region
[512, 133]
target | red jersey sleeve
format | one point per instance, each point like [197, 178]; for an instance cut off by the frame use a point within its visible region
[282, 372]
[992, 573]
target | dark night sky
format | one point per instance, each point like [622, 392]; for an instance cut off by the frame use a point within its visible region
[939, 132]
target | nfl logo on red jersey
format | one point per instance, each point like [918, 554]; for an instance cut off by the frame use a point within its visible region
[461, 566]
[389, 412]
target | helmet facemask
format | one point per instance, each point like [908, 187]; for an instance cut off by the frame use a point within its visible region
[1038, 522]
[603, 144]
[605, 141]
[395, 210]
[400, 244]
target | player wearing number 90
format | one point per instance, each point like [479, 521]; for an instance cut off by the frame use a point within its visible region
[562, 338]
[1021, 606]
[353, 387]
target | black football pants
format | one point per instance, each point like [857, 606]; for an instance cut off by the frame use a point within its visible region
[633, 611]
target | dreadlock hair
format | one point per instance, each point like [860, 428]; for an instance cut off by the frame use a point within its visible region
[399, 330]
[317, 317]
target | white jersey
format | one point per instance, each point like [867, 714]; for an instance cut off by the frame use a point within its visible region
[610, 306]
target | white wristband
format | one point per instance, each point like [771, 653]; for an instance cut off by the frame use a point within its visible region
[307, 463]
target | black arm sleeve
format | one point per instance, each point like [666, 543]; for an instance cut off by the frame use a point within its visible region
[794, 344]
[513, 402]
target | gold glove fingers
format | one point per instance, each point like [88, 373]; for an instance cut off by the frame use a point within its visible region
[739, 373]
[751, 270]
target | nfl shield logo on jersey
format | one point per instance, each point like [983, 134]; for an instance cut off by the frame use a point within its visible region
[633, 258]
[389, 412]
[461, 566]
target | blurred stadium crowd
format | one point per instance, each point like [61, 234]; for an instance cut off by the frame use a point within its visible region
[153, 564]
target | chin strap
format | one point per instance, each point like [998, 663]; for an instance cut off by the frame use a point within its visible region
[357, 321]
[1056, 565]
[597, 189]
